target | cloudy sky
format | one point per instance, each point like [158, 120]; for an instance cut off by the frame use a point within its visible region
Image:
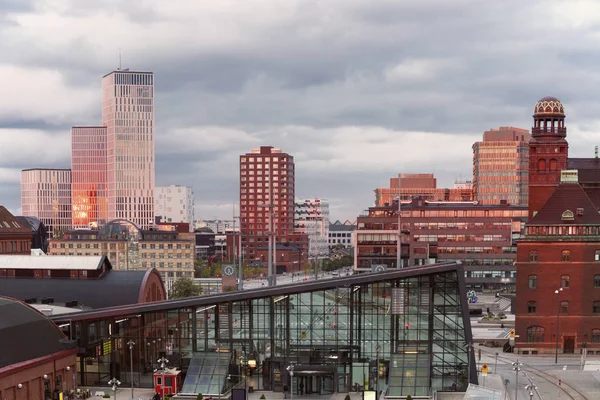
[356, 90]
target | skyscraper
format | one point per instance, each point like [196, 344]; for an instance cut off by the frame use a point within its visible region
[501, 166]
[128, 114]
[46, 194]
[267, 187]
[88, 171]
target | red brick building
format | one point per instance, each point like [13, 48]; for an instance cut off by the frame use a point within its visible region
[558, 284]
[15, 237]
[423, 186]
[267, 182]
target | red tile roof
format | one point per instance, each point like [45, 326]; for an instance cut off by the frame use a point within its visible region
[567, 196]
[10, 224]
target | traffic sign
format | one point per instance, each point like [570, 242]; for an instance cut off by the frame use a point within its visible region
[484, 369]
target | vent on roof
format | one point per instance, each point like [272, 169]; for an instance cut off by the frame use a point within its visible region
[580, 212]
[31, 300]
[48, 300]
[72, 303]
[568, 215]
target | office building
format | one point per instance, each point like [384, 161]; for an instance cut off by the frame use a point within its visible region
[128, 247]
[423, 186]
[312, 218]
[482, 237]
[501, 166]
[128, 115]
[341, 335]
[89, 176]
[267, 182]
[46, 194]
[340, 234]
[174, 203]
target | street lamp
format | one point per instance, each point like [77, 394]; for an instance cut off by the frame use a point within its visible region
[557, 292]
[163, 368]
[517, 367]
[531, 387]
[377, 350]
[114, 382]
[131, 343]
[290, 369]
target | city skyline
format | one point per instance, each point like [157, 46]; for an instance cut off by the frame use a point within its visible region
[346, 110]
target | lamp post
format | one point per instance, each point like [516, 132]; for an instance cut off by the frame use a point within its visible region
[557, 292]
[131, 343]
[163, 368]
[114, 382]
[531, 387]
[291, 371]
[517, 367]
[377, 350]
[469, 348]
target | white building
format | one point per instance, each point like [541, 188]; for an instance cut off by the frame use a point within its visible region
[217, 225]
[312, 218]
[341, 234]
[175, 203]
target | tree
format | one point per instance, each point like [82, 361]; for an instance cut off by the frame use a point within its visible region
[184, 287]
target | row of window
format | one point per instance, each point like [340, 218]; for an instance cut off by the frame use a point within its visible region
[114, 246]
[536, 333]
[565, 256]
[565, 281]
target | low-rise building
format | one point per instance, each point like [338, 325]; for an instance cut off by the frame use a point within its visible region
[130, 248]
[424, 186]
[340, 234]
[482, 237]
[15, 237]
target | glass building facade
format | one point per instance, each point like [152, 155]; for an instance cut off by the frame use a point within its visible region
[402, 332]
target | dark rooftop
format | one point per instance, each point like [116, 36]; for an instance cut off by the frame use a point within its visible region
[567, 197]
[10, 224]
[114, 288]
[26, 334]
[583, 163]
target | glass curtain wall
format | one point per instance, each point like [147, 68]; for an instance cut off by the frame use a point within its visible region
[403, 336]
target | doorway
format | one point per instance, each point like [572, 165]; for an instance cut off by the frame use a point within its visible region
[569, 345]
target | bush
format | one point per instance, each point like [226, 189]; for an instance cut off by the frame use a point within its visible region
[347, 397]
[199, 397]
[262, 396]
[106, 396]
[409, 397]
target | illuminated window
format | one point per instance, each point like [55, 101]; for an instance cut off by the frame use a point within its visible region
[566, 255]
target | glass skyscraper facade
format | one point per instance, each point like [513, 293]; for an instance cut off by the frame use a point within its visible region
[401, 332]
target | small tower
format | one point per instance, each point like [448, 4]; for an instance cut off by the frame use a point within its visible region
[548, 151]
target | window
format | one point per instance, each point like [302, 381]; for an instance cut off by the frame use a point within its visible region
[535, 334]
[595, 335]
[565, 281]
[597, 255]
[532, 281]
[533, 256]
[566, 255]
[531, 307]
[596, 307]
[564, 307]
[597, 281]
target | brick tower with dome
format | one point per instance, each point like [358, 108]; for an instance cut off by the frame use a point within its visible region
[548, 151]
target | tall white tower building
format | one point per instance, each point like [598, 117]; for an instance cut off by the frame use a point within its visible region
[175, 203]
[312, 218]
[128, 114]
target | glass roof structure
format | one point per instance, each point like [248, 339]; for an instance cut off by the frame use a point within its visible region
[399, 332]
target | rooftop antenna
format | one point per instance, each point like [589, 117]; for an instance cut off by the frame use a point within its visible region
[119, 59]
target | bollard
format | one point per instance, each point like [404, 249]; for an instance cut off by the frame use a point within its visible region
[559, 382]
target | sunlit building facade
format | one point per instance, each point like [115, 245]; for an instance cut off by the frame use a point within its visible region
[46, 194]
[174, 203]
[501, 166]
[128, 114]
[130, 248]
[423, 186]
[88, 171]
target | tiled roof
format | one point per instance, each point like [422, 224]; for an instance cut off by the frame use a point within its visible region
[583, 163]
[567, 197]
[10, 224]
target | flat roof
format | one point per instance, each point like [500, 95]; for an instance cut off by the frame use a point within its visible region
[51, 262]
[126, 70]
[46, 169]
[281, 290]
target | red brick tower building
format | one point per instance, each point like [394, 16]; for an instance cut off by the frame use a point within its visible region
[548, 151]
